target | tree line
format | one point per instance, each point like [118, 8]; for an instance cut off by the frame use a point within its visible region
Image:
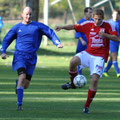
[11, 9]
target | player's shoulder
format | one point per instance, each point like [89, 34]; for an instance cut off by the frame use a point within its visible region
[119, 21]
[87, 22]
[16, 26]
[81, 20]
[110, 20]
[37, 23]
[91, 19]
[108, 25]
[106, 22]
[40, 25]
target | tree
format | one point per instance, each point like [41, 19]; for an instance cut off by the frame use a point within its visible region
[34, 4]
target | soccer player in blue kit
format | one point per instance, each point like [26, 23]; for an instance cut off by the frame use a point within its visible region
[82, 41]
[114, 46]
[28, 35]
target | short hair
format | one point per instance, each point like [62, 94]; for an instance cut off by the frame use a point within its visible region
[98, 12]
[115, 10]
[86, 9]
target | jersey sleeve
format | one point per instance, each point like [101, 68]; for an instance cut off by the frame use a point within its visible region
[83, 27]
[10, 36]
[78, 34]
[79, 28]
[50, 34]
[112, 30]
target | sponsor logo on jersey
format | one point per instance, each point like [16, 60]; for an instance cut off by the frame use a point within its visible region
[19, 30]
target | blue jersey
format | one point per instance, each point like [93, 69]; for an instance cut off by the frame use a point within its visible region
[80, 47]
[115, 45]
[28, 37]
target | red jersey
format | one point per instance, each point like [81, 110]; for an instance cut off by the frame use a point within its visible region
[97, 45]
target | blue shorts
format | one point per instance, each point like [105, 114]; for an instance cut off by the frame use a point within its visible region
[80, 47]
[114, 46]
[24, 60]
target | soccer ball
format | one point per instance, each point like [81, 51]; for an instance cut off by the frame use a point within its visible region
[80, 81]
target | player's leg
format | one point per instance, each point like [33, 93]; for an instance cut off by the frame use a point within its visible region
[79, 70]
[109, 64]
[24, 79]
[29, 72]
[26, 82]
[114, 46]
[20, 87]
[96, 69]
[115, 63]
[91, 92]
[80, 59]
[80, 48]
[75, 61]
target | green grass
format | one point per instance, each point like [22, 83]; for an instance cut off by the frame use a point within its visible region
[45, 100]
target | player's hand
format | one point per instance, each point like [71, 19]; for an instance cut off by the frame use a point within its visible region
[4, 56]
[101, 34]
[84, 43]
[58, 28]
[60, 46]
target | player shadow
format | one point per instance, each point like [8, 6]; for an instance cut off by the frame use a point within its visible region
[43, 51]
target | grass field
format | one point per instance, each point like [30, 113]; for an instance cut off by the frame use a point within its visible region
[45, 100]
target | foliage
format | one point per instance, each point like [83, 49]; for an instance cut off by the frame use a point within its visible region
[11, 9]
[64, 10]
[106, 7]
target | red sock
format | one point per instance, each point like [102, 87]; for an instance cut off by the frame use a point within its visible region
[91, 95]
[72, 75]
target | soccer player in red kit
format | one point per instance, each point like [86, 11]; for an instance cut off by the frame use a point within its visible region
[98, 33]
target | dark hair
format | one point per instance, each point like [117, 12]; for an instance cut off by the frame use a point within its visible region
[86, 9]
[98, 12]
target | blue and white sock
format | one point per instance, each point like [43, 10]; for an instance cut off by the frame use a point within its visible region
[109, 64]
[79, 70]
[115, 63]
[20, 91]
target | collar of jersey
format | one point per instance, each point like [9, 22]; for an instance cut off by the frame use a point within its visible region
[100, 24]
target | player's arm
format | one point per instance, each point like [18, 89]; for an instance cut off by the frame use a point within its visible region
[78, 35]
[82, 41]
[108, 36]
[11, 35]
[66, 27]
[51, 35]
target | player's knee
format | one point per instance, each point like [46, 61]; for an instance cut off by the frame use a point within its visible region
[75, 61]
[26, 86]
[22, 77]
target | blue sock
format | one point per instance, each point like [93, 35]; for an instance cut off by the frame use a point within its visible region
[79, 70]
[20, 91]
[115, 63]
[109, 64]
